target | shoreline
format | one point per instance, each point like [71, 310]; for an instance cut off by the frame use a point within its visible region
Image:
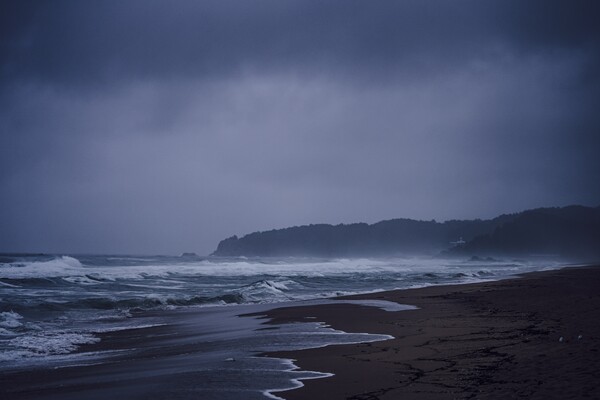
[403, 366]
[493, 339]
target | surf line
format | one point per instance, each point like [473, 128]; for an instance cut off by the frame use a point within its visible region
[296, 382]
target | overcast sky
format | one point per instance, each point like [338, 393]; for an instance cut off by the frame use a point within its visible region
[158, 127]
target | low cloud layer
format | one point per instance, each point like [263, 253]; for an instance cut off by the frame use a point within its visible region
[155, 127]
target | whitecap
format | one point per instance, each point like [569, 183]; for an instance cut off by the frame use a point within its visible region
[10, 319]
[55, 268]
[50, 343]
[6, 332]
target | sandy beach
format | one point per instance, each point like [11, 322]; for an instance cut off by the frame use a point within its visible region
[537, 336]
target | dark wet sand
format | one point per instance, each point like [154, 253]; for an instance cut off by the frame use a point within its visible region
[497, 340]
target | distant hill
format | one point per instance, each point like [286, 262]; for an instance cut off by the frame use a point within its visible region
[397, 236]
[573, 230]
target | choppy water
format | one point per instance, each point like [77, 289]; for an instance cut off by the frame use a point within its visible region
[51, 305]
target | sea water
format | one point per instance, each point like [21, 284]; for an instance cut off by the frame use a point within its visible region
[52, 305]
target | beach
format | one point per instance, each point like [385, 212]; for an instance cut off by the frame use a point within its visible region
[537, 336]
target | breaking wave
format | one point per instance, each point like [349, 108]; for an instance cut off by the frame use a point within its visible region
[57, 267]
[42, 296]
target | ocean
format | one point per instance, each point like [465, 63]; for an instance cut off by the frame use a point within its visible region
[56, 310]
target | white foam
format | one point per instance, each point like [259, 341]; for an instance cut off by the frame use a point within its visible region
[81, 280]
[295, 382]
[42, 344]
[279, 285]
[265, 291]
[71, 269]
[382, 304]
[6, 332]
[10, 319]
[9, 285]
[58, 267]
[126, 328]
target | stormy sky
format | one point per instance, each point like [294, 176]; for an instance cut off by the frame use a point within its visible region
[157, 127]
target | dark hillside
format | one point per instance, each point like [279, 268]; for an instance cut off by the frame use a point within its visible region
[391, 237]
[567, 231]
[570, 231]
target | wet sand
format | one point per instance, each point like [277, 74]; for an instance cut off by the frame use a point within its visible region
[537, 336]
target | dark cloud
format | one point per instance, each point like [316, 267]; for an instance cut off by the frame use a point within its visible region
[152, 126]
[99, 41]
